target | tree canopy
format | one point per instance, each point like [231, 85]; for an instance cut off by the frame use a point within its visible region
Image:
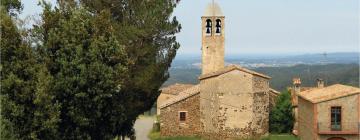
[90, 69]
[281, 116]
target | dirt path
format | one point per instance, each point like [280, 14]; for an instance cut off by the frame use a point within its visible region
[143, 126]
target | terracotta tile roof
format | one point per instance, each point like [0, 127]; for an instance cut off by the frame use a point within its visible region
[231, 68]
[301, 88]
[175, 89]
[275, 92]
[306, 88]
[182, 96]
[317, 95]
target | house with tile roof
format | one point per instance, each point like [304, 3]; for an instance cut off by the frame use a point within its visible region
[229, 102]
[294, 91]
[170, 92]
[329, 113]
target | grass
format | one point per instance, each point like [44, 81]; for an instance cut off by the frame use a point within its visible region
[280, 137]
[156, 136]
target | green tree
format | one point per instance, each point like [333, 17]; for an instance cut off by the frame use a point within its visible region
[148, 33]
[28, 110]
[11, 6]
[89, 73]
[17, 85]
[46, 108]
[281, 116]
[89, 65]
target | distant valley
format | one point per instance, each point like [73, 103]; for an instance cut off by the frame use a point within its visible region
[333, 68]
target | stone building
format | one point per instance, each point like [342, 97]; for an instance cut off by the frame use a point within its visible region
[295, 90]
[329, 113]
[170, 92]
[230, 101]
[234, 102]
[180, 116]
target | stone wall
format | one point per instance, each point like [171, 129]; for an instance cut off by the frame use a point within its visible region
[260, 121]
[306, 120]
[349, 113]
[170, 124]
[209, 104]
[235, 110]
[213, 47]
[272, 100]
[161, 99]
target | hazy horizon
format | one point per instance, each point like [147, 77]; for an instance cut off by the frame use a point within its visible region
[268, 27]
[268, 54]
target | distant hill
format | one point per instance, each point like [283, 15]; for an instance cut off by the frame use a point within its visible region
[337, 57]
[347, 74]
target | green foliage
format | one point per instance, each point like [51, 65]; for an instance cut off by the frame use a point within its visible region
[90, 70]
[147, 33]
[89, 65]
[11, 6]
[46, 108]
[108, 71]
[281, 116]
[17, 80]
[6, 129]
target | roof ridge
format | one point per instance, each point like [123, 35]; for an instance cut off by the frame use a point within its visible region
[335, 91]
[231, 68]
[182, 95]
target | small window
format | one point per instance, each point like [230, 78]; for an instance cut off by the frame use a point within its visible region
[208, 27]
[218, 27]
[182, 116]
[221, 95]
[336, 118]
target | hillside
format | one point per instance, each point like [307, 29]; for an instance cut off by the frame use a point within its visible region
[347, 74]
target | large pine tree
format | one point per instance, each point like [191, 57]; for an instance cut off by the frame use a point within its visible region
[148, 33]
[93, 67]
[89, 66]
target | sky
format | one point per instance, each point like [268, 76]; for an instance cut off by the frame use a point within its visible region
[268, 26]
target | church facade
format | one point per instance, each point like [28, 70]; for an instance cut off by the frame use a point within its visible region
[229, 102]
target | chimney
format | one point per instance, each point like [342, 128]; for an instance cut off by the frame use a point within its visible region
[320, 83]
[297, 84]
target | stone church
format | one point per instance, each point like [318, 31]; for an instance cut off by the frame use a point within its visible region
[229, 102]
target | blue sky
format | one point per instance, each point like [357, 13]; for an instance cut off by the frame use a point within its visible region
[269, 26]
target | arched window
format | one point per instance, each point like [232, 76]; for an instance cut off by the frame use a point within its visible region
[208, 27]
[218, 26]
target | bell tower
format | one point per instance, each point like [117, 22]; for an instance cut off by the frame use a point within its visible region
[213, 39]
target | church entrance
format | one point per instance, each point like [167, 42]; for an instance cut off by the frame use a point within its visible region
[336, 138]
